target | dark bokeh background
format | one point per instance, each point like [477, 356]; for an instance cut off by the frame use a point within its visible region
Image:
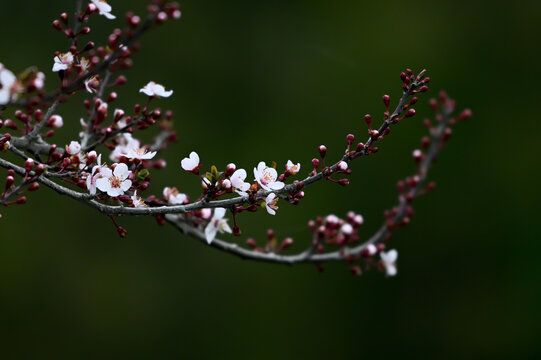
[271, 80]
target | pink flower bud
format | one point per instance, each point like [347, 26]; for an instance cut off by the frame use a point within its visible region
[342, 165]
[28, 165]
[230, 169]
[410, 112]
[21, 200]
[386, 100]
[9, 181]
[322, 151]
[417, 155]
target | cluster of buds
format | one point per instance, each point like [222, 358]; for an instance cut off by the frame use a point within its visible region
[273, 245]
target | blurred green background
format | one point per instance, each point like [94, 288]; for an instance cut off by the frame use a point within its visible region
[271, 80]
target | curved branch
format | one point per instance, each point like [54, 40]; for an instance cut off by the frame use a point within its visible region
[308, 256]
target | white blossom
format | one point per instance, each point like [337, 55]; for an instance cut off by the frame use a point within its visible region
[292, 168]
[266, 177]
[153, 89]
[137, 201]
[104, 8]
[270, 203]
[62, 61]
[94, 176]
[116, 182]
[217, 223]
[84, 63]
[8, 85]
[191, 163]
[39, 80]
[92, 84]
[125, 142]
[139, 153]
[388, 260]
[237, 180]
[73, 148]
[173, 196]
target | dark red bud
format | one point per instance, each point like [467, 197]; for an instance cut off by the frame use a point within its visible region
[21, 200]
[286, 243]
[410, 112]
[466, 114]
[251, 242]
[322, 151]
[343, 182]
[34, 186]
[57, 25]
[121, 231]
[355, 270]
[64, 17]
[40, 169]
[350, 138]
[423, 88]
[28, 165]
[386, 100]
[9, 181]
[368, 119]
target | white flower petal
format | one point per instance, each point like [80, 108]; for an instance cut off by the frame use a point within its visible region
[125, 185]
[103, 184]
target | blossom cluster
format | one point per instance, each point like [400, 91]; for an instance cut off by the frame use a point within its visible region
[123, 186]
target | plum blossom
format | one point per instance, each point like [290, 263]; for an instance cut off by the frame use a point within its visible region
[125, 142]
[191, 164]
[62, 61]
[84, 63]
[73, 148]
[104, 8]
[270, 203]
[94, 176]
[266, 177]
[217, 223]
[173, 196]
[153, 89]
[137, 201]
[116, 182]
[291, 168]
[92, 84]
[8, 85]
[388, 260]
[39, 80]
[139, 153]
[238, 183]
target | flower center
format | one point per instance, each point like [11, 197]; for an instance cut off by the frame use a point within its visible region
[267, 177]
[139, 151]
[115, 181]
[272, 204]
